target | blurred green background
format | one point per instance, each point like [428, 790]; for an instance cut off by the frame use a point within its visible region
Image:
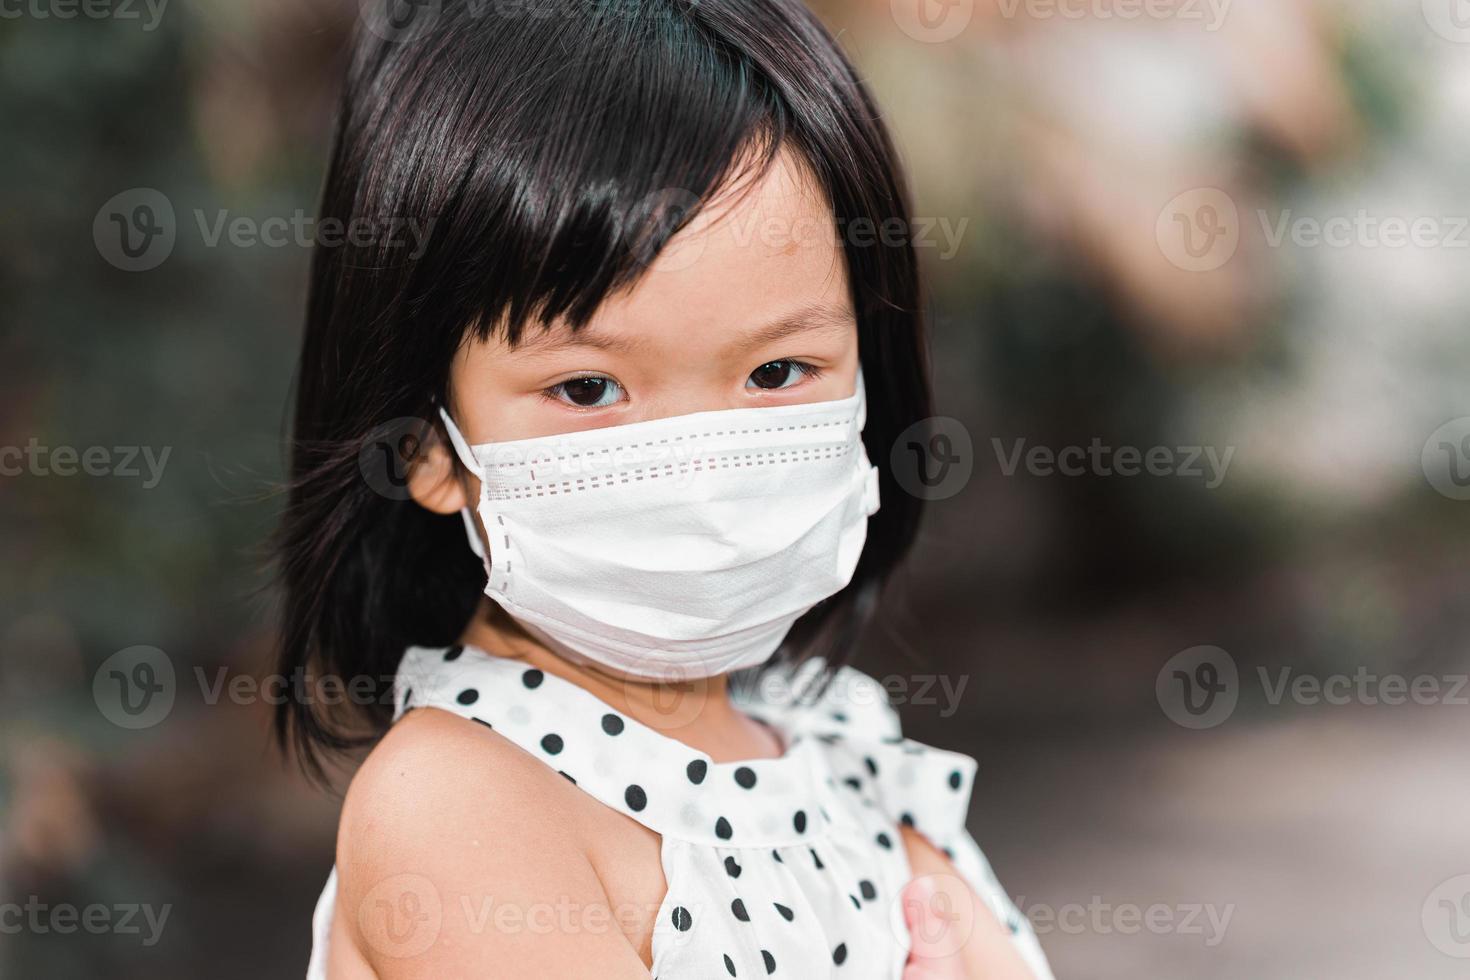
[1183, 229]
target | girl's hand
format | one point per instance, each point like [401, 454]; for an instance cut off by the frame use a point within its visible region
[932, 952]
[954, 934]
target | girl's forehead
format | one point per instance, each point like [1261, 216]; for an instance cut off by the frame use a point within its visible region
[764, 247]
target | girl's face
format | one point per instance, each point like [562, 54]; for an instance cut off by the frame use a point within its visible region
[747, 307]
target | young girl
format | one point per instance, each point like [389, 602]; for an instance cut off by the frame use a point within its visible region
[663, 324]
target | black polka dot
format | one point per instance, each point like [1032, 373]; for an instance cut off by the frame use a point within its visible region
[885, 842]
[696, 771]
[682, 919]
[786, 913]
[722, 829]
[453, 653]
[853, 782]
[482, 721]
[777, 856]
[839, 955]
[737, 909]
[949, 853]
[569, 778]
[552, 744]
[955, 779]
[745, 776]
[839, 716]
[729, 967]
[769, 960]
[612, 724]
[799, 821]
[872, 766]
[732, 867]
[636, 798]
[906, 819]
[855, 903]
[816, 860]
[532, 678]
[468, 696]
[407, 696]
[869, 892]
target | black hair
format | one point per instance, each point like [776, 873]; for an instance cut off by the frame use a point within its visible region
[550, 150]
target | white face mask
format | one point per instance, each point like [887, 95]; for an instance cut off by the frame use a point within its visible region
[679, 548]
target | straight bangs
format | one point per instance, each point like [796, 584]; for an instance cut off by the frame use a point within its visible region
[542, 156]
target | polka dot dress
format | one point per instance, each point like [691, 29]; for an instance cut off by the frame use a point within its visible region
[788, 867]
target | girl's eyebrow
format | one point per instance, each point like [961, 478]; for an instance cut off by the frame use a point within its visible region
[815, 318]
[555, 342]
[809, 319]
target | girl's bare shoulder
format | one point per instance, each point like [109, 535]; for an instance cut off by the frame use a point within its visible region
[448, 818]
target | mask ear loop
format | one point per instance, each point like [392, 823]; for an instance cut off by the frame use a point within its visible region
[467, 457]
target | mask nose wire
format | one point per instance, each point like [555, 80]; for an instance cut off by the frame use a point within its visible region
[461, 446]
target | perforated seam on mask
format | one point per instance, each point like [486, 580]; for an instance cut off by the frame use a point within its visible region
[676, 439]
[648, 473]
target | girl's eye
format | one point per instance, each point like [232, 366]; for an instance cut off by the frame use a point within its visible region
[779, 374]
[587, 392]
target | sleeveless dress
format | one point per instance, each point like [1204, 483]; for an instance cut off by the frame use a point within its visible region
[787, 867]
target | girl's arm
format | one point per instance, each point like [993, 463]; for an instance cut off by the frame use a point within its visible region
[455, 860]
[955, 936]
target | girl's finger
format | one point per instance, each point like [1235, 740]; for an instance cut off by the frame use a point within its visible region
[920, 914]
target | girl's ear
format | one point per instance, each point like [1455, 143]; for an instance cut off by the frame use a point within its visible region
[434, 480]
